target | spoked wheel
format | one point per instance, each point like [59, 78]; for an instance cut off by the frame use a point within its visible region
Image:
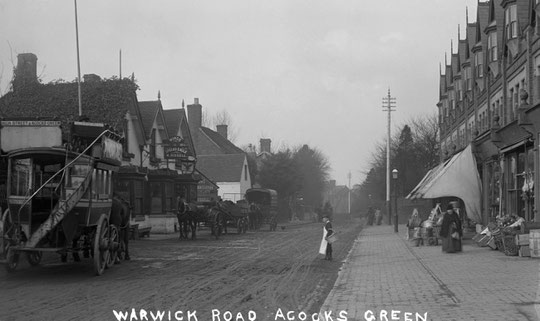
[101, 245]
[34, 257]
[114, 245]
[239, 226]
[7, 232]
[12, 259]
[9, 239]
[121, 253]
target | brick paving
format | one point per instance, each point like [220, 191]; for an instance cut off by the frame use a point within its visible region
[384, 272]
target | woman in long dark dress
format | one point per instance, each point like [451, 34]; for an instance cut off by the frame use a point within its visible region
[450, 225]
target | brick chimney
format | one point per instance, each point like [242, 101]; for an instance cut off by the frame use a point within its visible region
[266, 145]
[194, 116]
[26, 71]
[222, 130]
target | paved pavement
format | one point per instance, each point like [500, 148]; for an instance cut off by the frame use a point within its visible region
[384, 272]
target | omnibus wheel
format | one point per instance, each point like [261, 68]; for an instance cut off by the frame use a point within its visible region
[101, 245]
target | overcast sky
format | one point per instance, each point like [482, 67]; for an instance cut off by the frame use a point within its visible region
[295, 71]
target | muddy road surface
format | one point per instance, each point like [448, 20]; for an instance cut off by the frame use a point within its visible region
[260, 271]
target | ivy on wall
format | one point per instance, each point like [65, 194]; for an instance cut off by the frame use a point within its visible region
[106, 101]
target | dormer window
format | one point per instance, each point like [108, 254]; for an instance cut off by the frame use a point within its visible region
[492, 47]
[511, 22]
[459, 88]
[479, 64]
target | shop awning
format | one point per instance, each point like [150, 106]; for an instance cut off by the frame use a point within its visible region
[457, 177]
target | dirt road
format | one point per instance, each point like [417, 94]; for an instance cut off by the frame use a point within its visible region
[259, 271]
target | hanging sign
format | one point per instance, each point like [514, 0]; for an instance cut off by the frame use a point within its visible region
[176, 149]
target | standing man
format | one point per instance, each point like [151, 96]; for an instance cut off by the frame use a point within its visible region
[326, 247]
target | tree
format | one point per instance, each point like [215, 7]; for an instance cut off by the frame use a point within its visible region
[222, 118]
[414, 151]
[293, 173]
[314, 168]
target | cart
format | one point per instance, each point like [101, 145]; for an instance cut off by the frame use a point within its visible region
[262, 207]
[60, 196]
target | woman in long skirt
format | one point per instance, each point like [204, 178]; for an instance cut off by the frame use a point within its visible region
[451, 231]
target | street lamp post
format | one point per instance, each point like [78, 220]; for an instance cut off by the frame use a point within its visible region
[395, 178]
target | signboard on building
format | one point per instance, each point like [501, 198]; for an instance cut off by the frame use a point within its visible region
[176, 149]
[16, 134]
[206, 191]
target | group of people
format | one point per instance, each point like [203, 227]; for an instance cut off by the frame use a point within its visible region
[373, 216]
[451, 230]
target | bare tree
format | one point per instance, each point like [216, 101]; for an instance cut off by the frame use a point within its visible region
[224, 118]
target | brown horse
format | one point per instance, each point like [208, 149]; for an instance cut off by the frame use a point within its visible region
[120, 217]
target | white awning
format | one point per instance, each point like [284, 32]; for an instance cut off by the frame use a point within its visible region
[457, 177]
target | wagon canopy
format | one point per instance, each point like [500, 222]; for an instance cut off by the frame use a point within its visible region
[456, 177]
[262, 196]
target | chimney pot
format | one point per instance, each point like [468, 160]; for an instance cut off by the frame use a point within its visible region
[266, 145]
[222, 130]
[194, 112]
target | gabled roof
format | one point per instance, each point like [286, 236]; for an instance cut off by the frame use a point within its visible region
[149, 112]
[177, 125]
[173, 117]
[221, 142]
[222, 168]
[482, 18]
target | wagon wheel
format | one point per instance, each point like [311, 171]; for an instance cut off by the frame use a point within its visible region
[7, 232]
[114, 245]
[239, 225]
[34, 257]
[9, 239]
[101, 245]
[121, 253]
[12, 258]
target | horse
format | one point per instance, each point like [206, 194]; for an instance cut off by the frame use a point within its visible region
[187, 216]
[120, 217]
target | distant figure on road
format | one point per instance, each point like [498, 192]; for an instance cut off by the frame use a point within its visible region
[328, 211]
[370, 215]
[326, 247]
[378, 216]
[451, 231]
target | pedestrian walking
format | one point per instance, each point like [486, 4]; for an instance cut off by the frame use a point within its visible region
[370, 215]
[451, 231]
[378, 216]
[326, 246]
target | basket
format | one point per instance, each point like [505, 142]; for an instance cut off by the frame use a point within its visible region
[510, 247]
[331, 239]
[499, 242]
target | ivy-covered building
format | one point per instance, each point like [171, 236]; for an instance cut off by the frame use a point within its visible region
[150, 179]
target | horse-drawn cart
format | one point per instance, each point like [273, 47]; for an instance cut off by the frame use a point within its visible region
[60, 196]
[262, 207]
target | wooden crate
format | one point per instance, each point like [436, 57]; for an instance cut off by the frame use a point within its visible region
[522, 239]
[524, 251]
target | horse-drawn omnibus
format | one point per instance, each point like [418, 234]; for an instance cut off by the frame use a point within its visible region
[60, 195]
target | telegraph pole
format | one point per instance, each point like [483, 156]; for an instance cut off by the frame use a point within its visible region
[78, 60]
[349, 177]
[389, 103]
